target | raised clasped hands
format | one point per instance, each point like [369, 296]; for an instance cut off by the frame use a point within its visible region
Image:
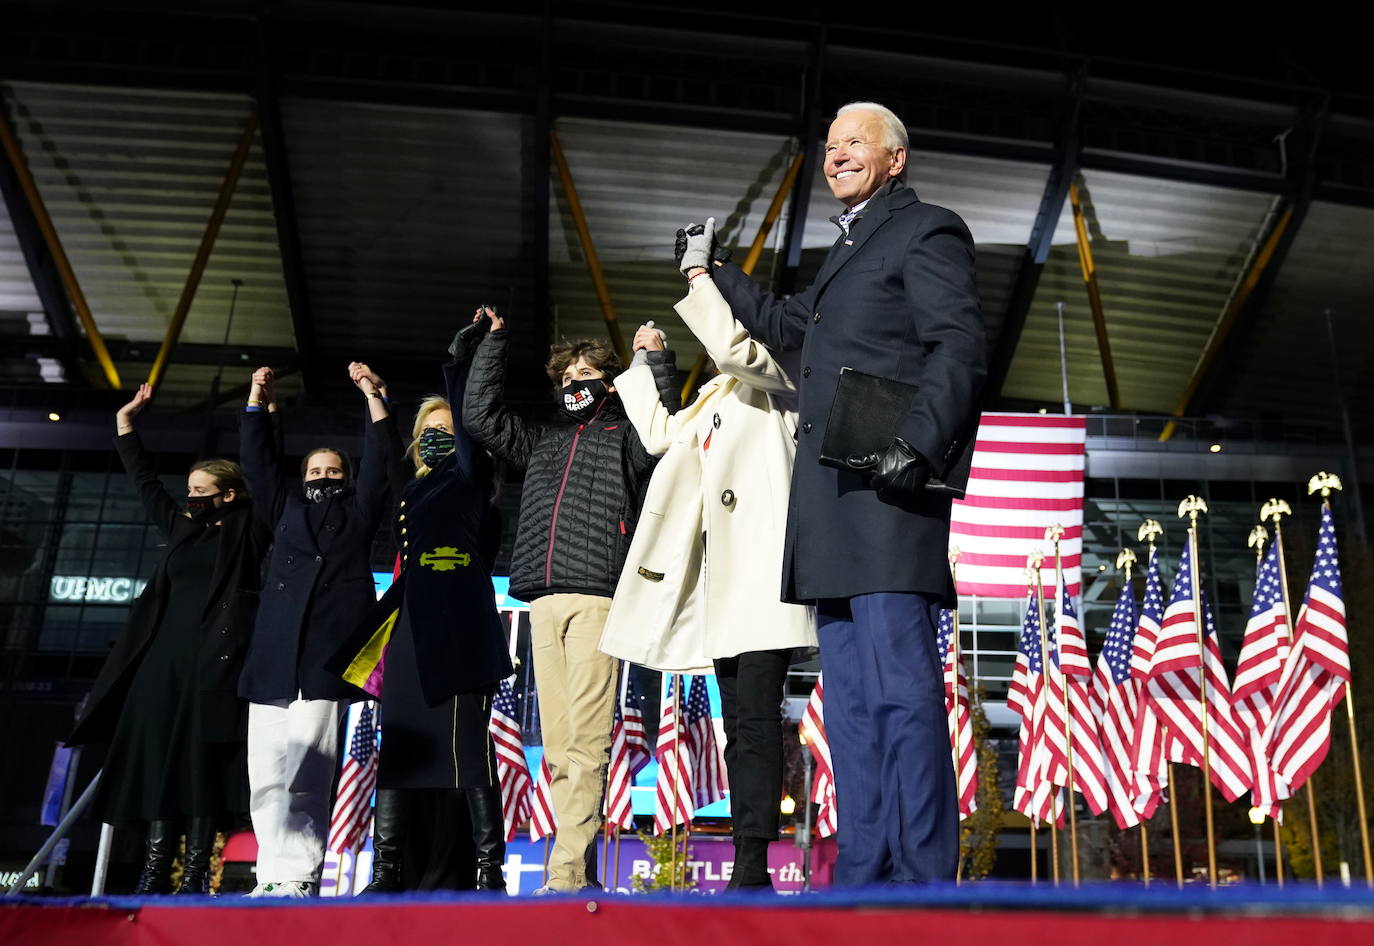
[648, 338]
[695, 246]
[365, 379]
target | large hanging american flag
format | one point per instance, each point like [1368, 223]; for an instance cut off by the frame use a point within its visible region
[1317, 670]
[708, 764]
[1079, 750]
[1263, 651]
[512, 772]
[1174, 686]
[963, 752]
[674, 790]
[629, 754]
[1027, 475]
[1115, 699]
[543, 820]
[1035, 796]
[823, 781]
[352, 817]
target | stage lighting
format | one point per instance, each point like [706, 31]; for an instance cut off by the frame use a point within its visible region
[788, 805]
[1215, 448]
[1257, 816]
[54, 416]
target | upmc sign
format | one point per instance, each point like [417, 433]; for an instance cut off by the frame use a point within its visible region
[95, 590]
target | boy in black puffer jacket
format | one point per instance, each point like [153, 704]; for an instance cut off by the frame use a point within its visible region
[584, 480]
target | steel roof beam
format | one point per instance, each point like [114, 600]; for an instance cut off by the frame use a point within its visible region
[1052, 200]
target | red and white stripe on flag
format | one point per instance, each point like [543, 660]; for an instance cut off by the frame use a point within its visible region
[1027, 476]
[512, 772]
[823, 783]
[352, 816]
[673, 790]
[543, 821]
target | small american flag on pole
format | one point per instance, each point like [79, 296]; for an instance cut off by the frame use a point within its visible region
[1263, 651]
[1115, 700]
[964, 752]
[352, 816]
[511, 770]
[1151, 748]
[1174, 686]
[629, 754]
[1035, 796]
[1317, 670]
[673, 802]
[823, 783]
[708, 765]
[1027, 475]
[543, 821]
[1069, 680]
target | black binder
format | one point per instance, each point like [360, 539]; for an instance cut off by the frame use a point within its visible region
[865, 416]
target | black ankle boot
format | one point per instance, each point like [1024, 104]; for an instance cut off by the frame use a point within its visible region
[488, 836]
[751, 864]
[200, 842]
[158, 851]
[388, 835]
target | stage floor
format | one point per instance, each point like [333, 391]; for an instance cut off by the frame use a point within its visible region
[994, 913]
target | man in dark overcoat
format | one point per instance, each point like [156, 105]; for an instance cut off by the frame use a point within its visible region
[895, 298]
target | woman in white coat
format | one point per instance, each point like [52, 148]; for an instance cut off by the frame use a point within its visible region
[700, 585]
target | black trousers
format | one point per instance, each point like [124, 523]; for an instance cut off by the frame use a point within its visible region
[751, 692]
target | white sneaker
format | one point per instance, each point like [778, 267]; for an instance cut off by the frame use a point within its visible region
[292, 889]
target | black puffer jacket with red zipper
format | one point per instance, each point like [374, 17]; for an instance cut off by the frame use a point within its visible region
[584, 483]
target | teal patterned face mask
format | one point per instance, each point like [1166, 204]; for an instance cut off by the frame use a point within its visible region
[435, 444]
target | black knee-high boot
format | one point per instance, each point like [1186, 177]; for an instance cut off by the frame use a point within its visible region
[388, 837]
[158, 852]
[200, 843]
[488, 836]
[751, 864]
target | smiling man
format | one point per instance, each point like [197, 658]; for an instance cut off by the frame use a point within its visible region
[896, 299]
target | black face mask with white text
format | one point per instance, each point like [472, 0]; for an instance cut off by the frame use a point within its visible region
[580, 399]
[322, 487]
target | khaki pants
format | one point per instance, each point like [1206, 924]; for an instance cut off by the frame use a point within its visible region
[576, 684]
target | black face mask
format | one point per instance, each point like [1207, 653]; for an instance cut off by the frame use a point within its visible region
[198, 505]
[435, 444]
[322, 487]
[580, 399]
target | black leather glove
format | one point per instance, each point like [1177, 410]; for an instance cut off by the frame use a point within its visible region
[899, 472]
[465, 342]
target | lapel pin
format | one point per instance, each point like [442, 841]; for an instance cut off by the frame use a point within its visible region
[848, 242]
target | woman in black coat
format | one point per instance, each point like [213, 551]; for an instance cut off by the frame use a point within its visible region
[434, 650]
[319, 579]
[166, 699]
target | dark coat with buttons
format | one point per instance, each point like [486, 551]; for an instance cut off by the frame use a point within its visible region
[448, 533]
[584, 484]
[319, 576]
[895, 298]
[231, 603]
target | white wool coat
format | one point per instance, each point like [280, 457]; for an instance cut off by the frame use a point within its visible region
[702, 575]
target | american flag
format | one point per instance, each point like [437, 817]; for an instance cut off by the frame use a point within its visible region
[1034, 796]
[1262, 654]
[352, 816]
[543, 820]
[1152, 749]
[1069, 679]
[708, 764]
[511, 768]
[964, 753]
[629, 754]
[823, 783]
[674, 790]
[1174, 687]
[1317, 670]
[1027, 476]
[1116, 698]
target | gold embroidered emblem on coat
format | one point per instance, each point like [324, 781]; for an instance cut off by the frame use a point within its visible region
[445, 558]
[652, 576]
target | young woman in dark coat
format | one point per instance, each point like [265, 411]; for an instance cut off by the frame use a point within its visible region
[166, 699]
[445, 654]
[319, 579]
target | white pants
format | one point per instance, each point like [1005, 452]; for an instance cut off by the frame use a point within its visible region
[292, 751]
